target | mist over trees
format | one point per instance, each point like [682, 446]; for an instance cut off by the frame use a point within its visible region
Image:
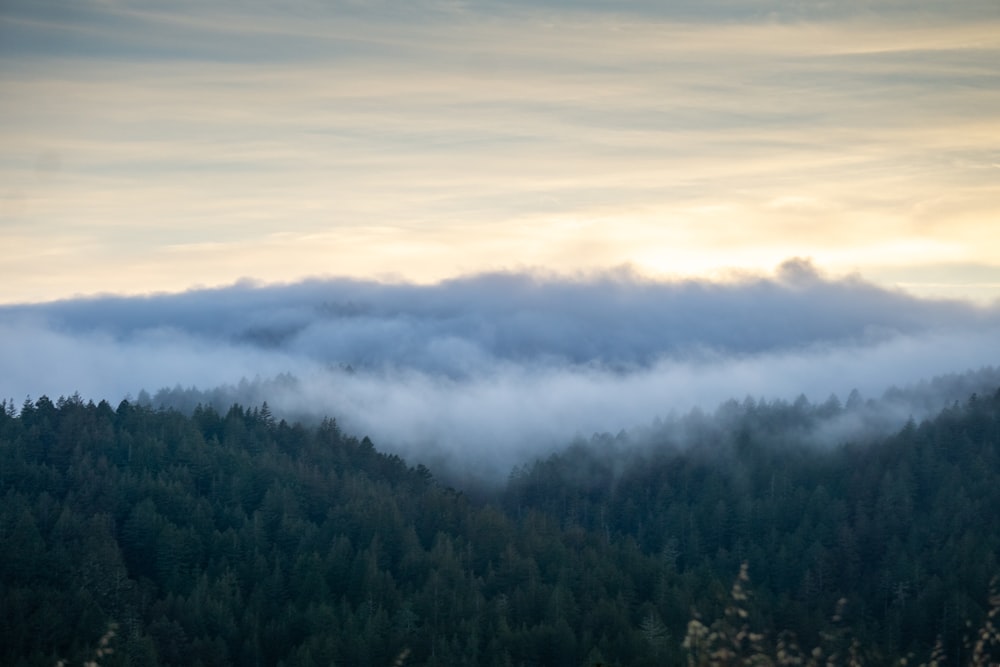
[522, 470]
[237, 537]
[823, 424]
[490, 370]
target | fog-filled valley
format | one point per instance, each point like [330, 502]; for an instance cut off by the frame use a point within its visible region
[505, 469]
[236, 538]
[485, 372]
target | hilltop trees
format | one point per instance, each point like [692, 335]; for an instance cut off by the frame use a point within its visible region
[237, 538]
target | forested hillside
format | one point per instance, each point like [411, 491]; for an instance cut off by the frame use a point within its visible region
[236, 538]
[906, 528]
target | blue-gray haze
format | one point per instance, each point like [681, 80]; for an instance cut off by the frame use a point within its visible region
[491, 368]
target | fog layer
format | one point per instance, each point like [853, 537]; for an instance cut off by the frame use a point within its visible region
[489, 369]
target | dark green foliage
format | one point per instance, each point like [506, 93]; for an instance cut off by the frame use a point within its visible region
[234, 538]
[907, 528]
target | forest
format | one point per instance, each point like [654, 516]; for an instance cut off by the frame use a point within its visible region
[233, 537]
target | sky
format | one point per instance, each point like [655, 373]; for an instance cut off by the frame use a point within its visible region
[484, 228]
[155, 147]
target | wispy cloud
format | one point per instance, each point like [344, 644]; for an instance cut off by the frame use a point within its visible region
[449, 139]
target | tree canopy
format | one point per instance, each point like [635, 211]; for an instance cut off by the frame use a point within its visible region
[215, 538]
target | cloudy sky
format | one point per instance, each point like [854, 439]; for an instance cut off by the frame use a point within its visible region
[490, 226]
[155, 146]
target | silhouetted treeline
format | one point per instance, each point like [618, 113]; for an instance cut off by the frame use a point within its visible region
[237, 538]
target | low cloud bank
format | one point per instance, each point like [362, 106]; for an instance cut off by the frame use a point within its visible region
[486, 371]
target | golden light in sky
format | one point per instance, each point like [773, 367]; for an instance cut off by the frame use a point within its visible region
[150, 149]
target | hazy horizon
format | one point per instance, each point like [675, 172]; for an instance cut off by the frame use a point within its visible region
[504, 366]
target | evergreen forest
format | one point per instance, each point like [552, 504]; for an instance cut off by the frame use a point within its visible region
[230, 537]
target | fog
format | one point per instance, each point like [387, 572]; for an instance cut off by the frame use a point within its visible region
[485, 371]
